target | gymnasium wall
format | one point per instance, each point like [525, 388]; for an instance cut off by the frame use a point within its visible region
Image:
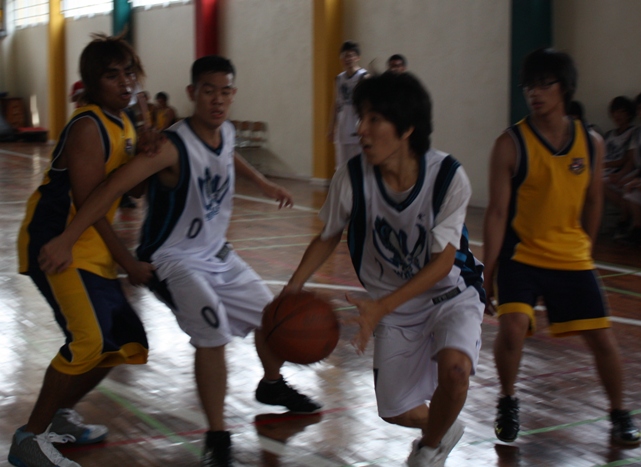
[270, 43]
[460, 51]
[458, 48]
[604, 39]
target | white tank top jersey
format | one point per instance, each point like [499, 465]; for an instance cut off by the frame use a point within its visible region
[397, 239]
[616, 145]
[347, 118]
[191, 219]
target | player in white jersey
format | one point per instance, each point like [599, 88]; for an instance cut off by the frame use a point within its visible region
[405, 205]
[342, 127]
[212, 292]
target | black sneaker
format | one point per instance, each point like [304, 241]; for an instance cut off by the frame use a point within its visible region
[506, 425]
[624, 431]
[281, 393]
[217, 452]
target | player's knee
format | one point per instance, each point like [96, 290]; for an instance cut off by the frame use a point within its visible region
[455, 378]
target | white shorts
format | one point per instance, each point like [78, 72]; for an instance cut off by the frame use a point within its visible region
[212, 307]
[405, 369]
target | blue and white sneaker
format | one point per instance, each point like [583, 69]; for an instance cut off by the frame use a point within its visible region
[69, 422]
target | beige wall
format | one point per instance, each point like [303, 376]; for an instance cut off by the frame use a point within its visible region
[164, 39]
[603, 37]
[460, 51]
[458, 48]
[270, 43]
[26, 56]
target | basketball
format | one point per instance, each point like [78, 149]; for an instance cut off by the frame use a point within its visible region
[300, 327]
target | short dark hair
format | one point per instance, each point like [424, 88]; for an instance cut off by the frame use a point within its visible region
[548, 63]
[397, 57]
[162, 95]
[576, 109]
[98, 55]
[637, 100]
[350, 46]
[401, 99]
[622, 103]
[211, 64]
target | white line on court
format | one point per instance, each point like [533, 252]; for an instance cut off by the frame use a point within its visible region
[271, 201]
[20, 154]
[312, 285]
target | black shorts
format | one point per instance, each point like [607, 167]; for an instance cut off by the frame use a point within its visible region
[574, 299]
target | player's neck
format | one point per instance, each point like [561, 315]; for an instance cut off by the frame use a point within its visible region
[352, 70]
[554, 127]
[209, 135]
[401, 171]
[552, 122]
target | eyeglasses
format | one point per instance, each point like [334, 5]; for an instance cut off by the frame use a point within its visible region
[543, 85]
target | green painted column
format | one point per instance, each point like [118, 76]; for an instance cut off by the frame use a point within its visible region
[531, 29]
[122, 19]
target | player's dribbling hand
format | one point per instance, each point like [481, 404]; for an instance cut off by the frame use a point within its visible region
[370, 312]
[55, 256]
[140, 272]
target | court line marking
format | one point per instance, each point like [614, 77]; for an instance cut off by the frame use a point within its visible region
[271, 201]
[23, 155]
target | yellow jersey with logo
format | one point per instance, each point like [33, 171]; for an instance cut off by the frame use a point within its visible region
[50, 208]
[548, 194]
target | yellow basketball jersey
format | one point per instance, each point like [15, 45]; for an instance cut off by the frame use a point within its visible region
[548, 194]
[50, 208]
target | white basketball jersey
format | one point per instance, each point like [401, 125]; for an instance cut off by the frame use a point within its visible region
[391, 243]
[347, 118]
[191, 219]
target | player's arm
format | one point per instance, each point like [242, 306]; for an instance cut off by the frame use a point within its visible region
[317, 252]
[502, 169]
[55, 256]
[372, 311]
[269, 189]
[593, 207]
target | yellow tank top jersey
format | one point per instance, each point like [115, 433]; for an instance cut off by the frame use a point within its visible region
[50, 207]
[548, 193]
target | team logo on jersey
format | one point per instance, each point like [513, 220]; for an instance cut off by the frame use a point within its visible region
[578, 165]
[212, 190]
[129, 147]
[393, 247]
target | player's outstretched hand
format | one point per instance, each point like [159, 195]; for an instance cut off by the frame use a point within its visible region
[149, 141]
[370, 312]
[55, 256]
[140, 272]
[280, 194]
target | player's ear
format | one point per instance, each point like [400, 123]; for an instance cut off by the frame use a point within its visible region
[407, 133]
[190, 91]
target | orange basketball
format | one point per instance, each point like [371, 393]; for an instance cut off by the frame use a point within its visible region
[301, 327]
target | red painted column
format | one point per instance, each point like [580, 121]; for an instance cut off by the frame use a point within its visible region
[207, 29]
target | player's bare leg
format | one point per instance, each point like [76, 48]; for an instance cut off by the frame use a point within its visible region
[508, 348]
[210, 369]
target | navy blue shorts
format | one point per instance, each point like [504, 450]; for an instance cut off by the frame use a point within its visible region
[574, 299]
[101, 327]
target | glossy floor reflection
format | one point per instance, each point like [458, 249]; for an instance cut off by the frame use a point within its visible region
[152, 411]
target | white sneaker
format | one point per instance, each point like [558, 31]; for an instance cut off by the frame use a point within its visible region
[435, 457]
[69, 422]
[29, 450]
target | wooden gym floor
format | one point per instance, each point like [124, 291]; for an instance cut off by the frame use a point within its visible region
[153, 413]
